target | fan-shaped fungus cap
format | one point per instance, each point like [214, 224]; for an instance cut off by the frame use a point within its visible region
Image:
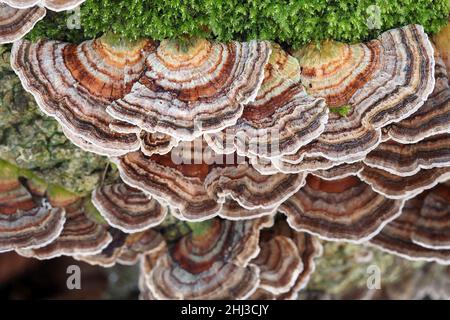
[156, 143]
[422, 232]
[75, 83]
[432, 118]
[364, 79]
[188, 91]
[26, 220]
[281, 119]
[274, 274]
[279, 264]
[83, 234]
[398, 187]
[198, 183]
[210, 263]
[15, 23]
[408, 159]
[344, 139]
[128, 209]
[55, 5]
[367, 76]
[343, 209]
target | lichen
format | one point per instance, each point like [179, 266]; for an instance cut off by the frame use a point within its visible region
[344, 267]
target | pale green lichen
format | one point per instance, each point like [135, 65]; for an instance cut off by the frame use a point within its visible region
[35, 141]
[345, 267]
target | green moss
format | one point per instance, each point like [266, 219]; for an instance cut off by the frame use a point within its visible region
[34, 141]
[92, 212]
[284, 21]
[200, 228]
[343, 111]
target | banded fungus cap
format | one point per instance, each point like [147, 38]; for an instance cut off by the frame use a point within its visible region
[26, 220]
[403, 187]
[283, 277]
[345, 209]
[75, 83]
[126, 249]
[281, 119]
[84, 232]
[354, 77]
[432, 118]
[189, 90]
[408, 159]
[366, 75]
[210, 263]
[127, 208]
[54, 5]
[16, 23]
[197, 182]
[156, 143]
[422, 232]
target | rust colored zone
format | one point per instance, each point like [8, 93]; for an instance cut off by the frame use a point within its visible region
[332, 186]
[111, 90]
[208, 91]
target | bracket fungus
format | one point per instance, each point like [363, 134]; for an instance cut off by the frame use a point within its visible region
[408, 159]
[156, 143]
[403, 187]
[432, 118]
[422, 232]
[75, 84]
[186, 92]
[283, 278]
[366, 77]
[128, 209]
[279, 264]
[213, 262]
[54, 5]
[83, 233]
[27, 220]
[280, 120]
[15, 23]
[197, 183]
[344, 209]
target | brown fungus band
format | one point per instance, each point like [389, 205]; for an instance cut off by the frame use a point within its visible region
[15, 23]
[128, 209]
[342, 209]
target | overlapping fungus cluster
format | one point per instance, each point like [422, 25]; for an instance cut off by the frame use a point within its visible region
[259, 150]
